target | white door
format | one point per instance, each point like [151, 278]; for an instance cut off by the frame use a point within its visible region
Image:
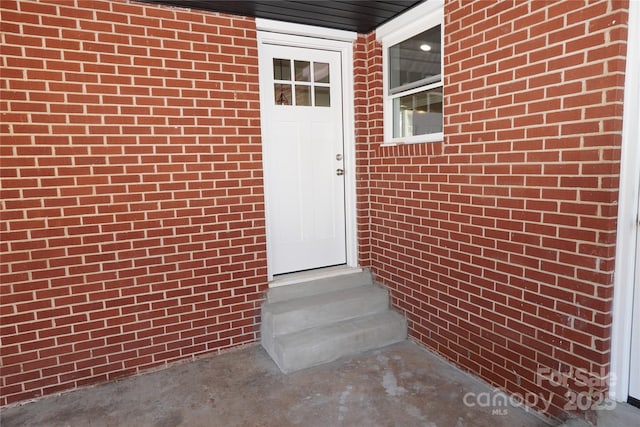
[634, 371]
[301, 97]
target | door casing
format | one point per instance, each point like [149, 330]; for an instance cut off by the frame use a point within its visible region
[296, 35]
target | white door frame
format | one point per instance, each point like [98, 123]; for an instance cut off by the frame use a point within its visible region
[625, 266]
[305, 36]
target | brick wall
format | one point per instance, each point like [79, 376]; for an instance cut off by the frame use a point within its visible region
[368, 130]
[132, 202]
[499, 242]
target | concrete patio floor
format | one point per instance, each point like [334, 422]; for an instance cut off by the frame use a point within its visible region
[400, 385]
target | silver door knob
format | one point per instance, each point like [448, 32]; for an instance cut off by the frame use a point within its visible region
[339, 172]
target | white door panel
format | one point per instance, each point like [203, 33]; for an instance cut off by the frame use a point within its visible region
[304, 195]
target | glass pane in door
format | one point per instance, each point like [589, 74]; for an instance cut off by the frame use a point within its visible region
[323, 97]
[302, 71]
[281, 69]
[320, 72]
[282, 93]
[303, 95]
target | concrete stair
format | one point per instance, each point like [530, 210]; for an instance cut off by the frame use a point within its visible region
[316, 322]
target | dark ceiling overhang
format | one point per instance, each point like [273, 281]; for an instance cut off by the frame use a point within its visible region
[361, 16]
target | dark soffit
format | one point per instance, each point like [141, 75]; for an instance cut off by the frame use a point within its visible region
[361, 16]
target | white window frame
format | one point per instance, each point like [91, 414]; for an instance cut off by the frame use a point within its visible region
[415, 21]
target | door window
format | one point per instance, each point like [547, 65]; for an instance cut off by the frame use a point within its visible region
[308, 84]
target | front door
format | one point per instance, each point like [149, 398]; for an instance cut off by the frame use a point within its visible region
[301, 96]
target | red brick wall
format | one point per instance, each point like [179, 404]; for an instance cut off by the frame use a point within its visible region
[499, 242]
[132, 208]
[132, 202]
[368, 130]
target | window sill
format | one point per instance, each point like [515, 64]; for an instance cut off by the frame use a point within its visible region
[421, 139]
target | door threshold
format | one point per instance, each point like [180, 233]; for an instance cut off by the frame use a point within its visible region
[307, 276]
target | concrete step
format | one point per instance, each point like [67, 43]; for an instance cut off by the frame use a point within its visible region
[321, 309]
[315, 322]
[319, 286]
[311, 347]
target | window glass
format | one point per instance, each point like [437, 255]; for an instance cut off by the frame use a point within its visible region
[320, 72]
[415, 61]
[281, 69]
[304, 92]
[418, 114]
[323, 97]
[302, 71]
[303, 95]
[282, 93]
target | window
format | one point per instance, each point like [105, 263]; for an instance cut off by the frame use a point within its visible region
[299, 82]
[412, 61]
